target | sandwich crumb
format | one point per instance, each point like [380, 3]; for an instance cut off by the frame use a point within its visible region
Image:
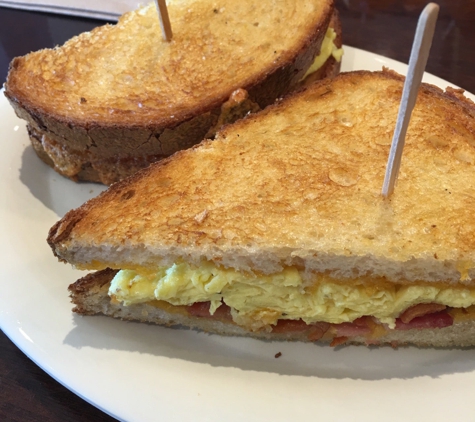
[278, 355]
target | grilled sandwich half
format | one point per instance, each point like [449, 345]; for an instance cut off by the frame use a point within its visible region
[277, 229]
[113, 100]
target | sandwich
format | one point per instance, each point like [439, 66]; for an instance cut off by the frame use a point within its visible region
[111, 101]
[277, 228]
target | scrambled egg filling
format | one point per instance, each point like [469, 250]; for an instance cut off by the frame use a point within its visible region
[328, 49]
[258, 301]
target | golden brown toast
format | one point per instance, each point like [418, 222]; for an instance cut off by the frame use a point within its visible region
[298, 184]
[113, 100]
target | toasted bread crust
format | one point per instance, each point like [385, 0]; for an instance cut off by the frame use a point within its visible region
[90, 297]
[98, 131]
[293, 185]
[84, 167]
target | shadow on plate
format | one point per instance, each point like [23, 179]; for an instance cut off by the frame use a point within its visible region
[54, 191]
[297, 359]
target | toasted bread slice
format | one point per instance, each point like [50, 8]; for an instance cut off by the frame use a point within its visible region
[90, 296]
[299, 184]
[117, 98]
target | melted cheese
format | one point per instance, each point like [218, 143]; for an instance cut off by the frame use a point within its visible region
[258, 301]
[327, 49]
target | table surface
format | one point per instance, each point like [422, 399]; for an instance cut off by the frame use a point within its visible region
[384, 27]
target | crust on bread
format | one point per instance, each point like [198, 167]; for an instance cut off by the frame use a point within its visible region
[84, 167]
[90, 296]
[97, 128]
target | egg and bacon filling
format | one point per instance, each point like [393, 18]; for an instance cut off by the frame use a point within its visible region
[259, 301]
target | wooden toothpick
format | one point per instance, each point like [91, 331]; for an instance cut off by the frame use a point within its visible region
[417, 64]
[164, 19]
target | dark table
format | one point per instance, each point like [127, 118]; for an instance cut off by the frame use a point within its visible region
[385, 27]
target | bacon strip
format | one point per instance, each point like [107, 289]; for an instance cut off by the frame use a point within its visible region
[419, 310]
[436, 320]
[359, 327]
[420, 317]
[201, 309]
[318, 330]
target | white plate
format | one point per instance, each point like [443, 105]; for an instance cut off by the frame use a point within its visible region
[137, 372]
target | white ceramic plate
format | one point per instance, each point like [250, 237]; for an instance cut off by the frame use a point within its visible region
[137, 372]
